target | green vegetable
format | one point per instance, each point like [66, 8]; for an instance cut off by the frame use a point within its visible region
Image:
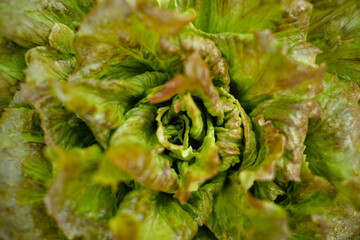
[179, 119]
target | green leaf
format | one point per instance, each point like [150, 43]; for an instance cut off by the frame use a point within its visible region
[118, 34]
[290, 111]
[230, 135]
[294, 25]
[136, 154]
[237, 215]
[29, 23]
[205, 167]
[260, 67]
[80, 206]
[334, 28]
[272, 147]
[333, 149]
[150, 215]
[259, 174]
[23, 175]
[61, 38]
[61, 127]
[231, 16]
[197, 80]
[12, 64]
[103, 104]
[200, 204]
[316, 212]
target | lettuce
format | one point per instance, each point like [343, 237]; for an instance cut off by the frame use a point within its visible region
[179, 119]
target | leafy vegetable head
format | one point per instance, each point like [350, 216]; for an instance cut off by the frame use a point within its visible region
[179, 119]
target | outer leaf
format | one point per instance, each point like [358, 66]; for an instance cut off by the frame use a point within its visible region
[11, 66]
[200, 203]
[231, 16]
[237, 215]
[125, 34]
[334, 28]
[143, 212]
[28, 23]
[290, 113]
[102, 104]
[23, 174]
[317, 213]
[80, 206]
[264, 69]
[293, 28]
[333, 144]
[60, 126]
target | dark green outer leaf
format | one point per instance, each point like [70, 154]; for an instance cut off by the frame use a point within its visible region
[333, 143]
[80, 206]
[149, 215]
[61, 127]
[23, 174]
[12, 64]
[237, 215]
[28, 23]
[334, 28]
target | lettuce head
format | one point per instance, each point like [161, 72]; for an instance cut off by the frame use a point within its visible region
[179, 119]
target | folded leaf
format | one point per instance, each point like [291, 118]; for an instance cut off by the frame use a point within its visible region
[290, 113]
[102, 104]
[196, 80]
[135, 153]
[206, 166]
[235, 131]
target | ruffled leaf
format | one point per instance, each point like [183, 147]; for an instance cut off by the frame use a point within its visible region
[334, 28]
[29, 23]
[60, 126]
[236, 16]
[120, 34]
[135, 153]
[80, 206]
[332, 143]
[23, 175]
[316, 212]
[206, 166]
[12, 64]
[290, 113]
[103, 104]
[197, 80]
[143, 212]
[237, 215]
